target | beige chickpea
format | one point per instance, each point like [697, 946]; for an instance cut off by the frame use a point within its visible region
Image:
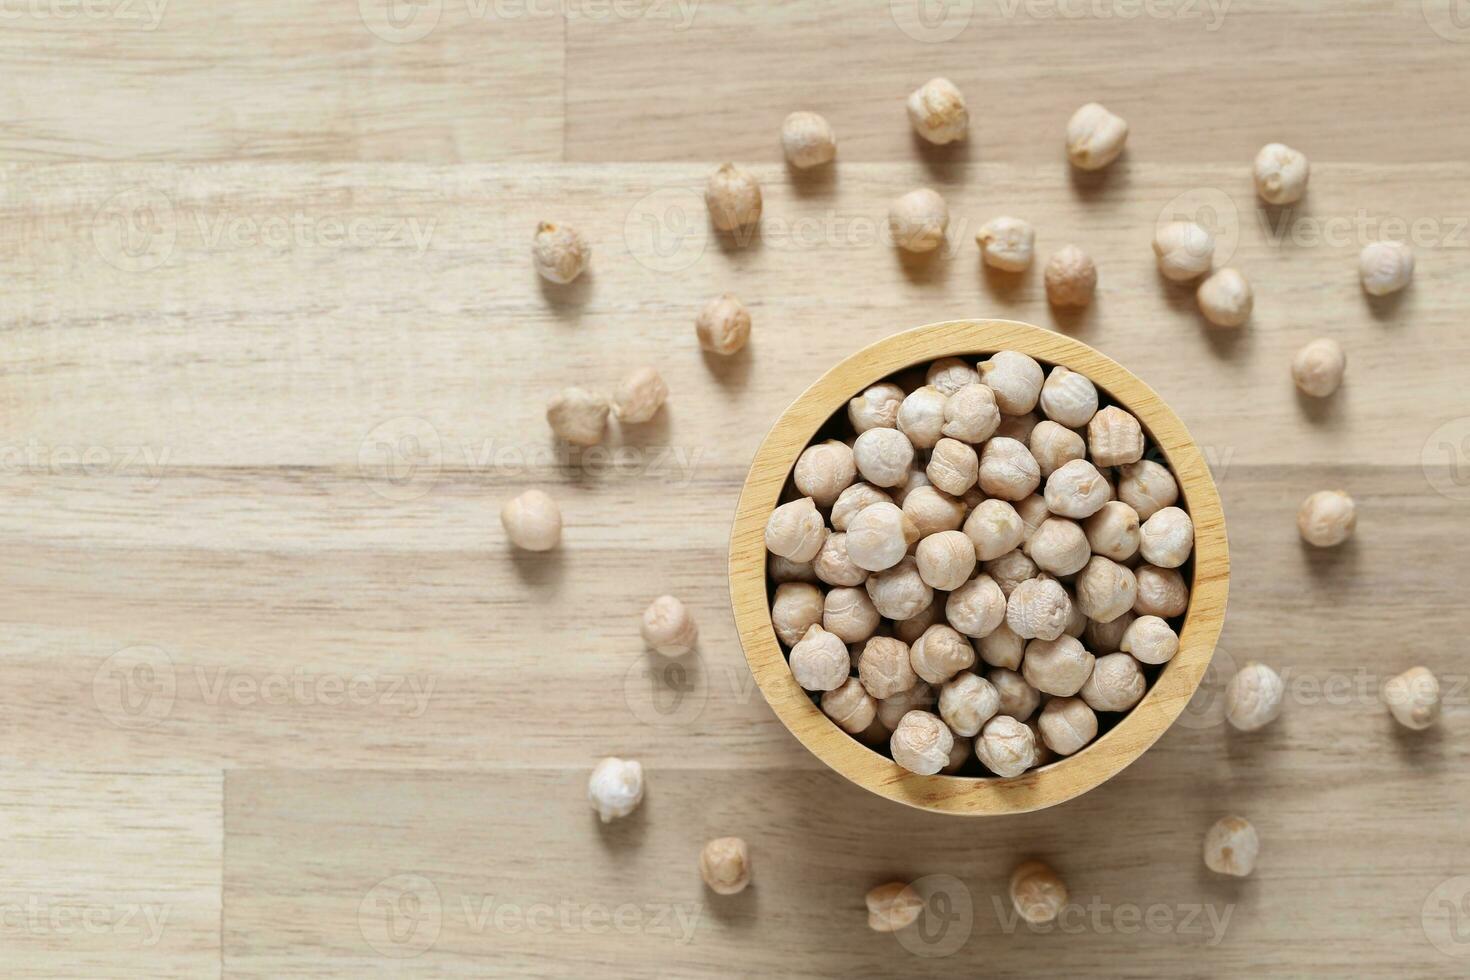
[893, 906]
[1114, 438]
[953, 466]
[796, 530]
[833, 565]
[1018, 699]
[733, 198]
[1076, 490]
[883, 456]
[723, 325]
[950, 374]
[1001, 647]
[921, 743]
[1006, 746]
[849, 614]
[1077, 625]
[971, 414]
[937, 111]
[879, 536]
[1038, 894]
[1053, 446]
[909, 630]
[916, 479]
[795, 608]
[1413, 698]
[1226, 298]
[1231, 847]
[1385, 267]
[1033, 513]
[559, 252]
[899, 592]
[1006, 243]
[1039, 608]
[945, 560]
[724, 864]
[1105, 589]
[578, 416]
[532, 521]
[615, 788]
[819, 661]
[1115, 684]
[1067, 725]
[1010, 570]
[1147, 487]
[932, 511]
[1095, 137]
[959, 754]
[1068, 398]
[1150, 640]
[824, 470]
[785, 570]
[807, 140]
[1114, 531]
[921, 416]
[994, 528]
[875, 408]
[1167, 538]
[1317, 368]
[1280, 174]
[1253, 697]
[1161, 592]
[941, 653]
[1103, 638]
[920, 697]
[1058, 667]
[1008, 470]
[668, 628]
[1059, 546]
[967, 702]
[1018, 427]
[1327, 518]
[884, 668]
[850, 706]
[1015, 378]
[976, 608]
[1184, 249]
[640, 396]
[854, 499]
[1071, 277]
[918, 219]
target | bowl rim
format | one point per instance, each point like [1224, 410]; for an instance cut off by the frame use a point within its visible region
[967, 795]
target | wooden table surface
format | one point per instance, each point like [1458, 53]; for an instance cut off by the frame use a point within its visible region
[280, 700]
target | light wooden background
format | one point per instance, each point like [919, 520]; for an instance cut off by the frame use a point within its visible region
[278, 699]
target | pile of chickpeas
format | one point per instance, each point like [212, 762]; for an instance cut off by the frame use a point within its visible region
[982, 556]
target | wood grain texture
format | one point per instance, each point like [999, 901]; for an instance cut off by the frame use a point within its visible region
[275, 355]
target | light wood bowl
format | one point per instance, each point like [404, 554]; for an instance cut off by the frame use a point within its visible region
[1067, 777]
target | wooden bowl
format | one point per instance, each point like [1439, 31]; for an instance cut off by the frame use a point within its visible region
[1067, 777]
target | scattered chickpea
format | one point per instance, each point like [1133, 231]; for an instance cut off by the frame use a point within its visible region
[1038, 894]
[1015, 378]
[724, 864]
[795, 530]
[850, 706]
[1231, 847]
[854, 499]
[1253, 697]
[1327, 518]
[1008, 470]
[1184, 249]
[1147, 487]
[1413, 698]
[918, 220]
[1006, 746]
[820, 662]
[1059, 546]
[899, 592]
[532, 521]
[1095, 137]
[1039, 608]
[723, 325]
[940, 653]
[1057, 667]
[1105, 589]
[967, 702]
[945, 560]
[1114, 531]
[879, 536]
[884, 669]
[615, 788]
[578, 416]
[893, 906]
[883, 456]
[1067, 724]
[824, 470]
[1318, 367]
[733, 198]
[1076, 490]
[834, 566]
[1006, 243]
[1115, 684]
[807, 140]
[971, 414]
[849, 614]
[875, 408]
[1018, 699]
[937, 111]
[1114, 438]
[640, 396]
[950, 374]
[1226, 298]
[1150, 640]
[1385, 267]
[1281, 174]
[559, 252]
[1161, 592]
[1167, 538]
[1071, 277]
[668, 627]
[977, 608]
[921, 743]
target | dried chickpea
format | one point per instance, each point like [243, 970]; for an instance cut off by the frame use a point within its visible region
[1037, 893]
[724, 864]
[1253, 697]
[1068, 398]
[733, 198]
[1006, 746]
[917, 220]
[1231, 847]
[796, 608]
[1076, 490]
[959, 754]
[819, 661]
[1053, 446]
[786, 570]
[1107, 637]
[945, 560]
[909, 630]
[1105, 589]
[916, 479]
[796, 530]
[967, 702]
[1008, 470]
[941, 653]
[1058, 667]
[532, 521]
[578, 416]
[994, 528]
[1067, 724]
[807, 140]
[953, 466]
[1184, 249]
[1413, 698]
[668, 627]
[1015, 378]
[1039, 608]
[1043, 755]
[1071, 277]
[937, 111]
[824, 470]
[921, 743]
[1147, 487]
[875, 408]
[1115, 684]
[1018, 427]
[1327, 518]
[1113, 531]
[921, 416]
[971, 414]
[893, 906]
[879, 536]
[950, 374]
[883, 456]
[1280, 174]
[723, 325]
[884, 668]
[850, 706]
[1010, 570]
[1385, 267]
[1033, 514]
[1318, 367]
[1225, 298]
[1114, 438]
[559, 252]
[1095, 137]
[1059, 546]
[640, 396]
[1161, 592]
[932, 511]
[977, 608]
[1018, 699]
[891, 710]
[1006, 243]
[849, 614]
[854, 499]
[899, 592]
[1167, 538]
[1150, 640]
[615, 788]
[1001, 647]
[833, 565]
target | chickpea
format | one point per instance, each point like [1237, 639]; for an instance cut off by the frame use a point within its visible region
[724, 864]
[854, 499]
[820, 661]
[893, 906]
[640, 396]
[1076, 490]
[1001, 647]
[824, 470]
[532, 521]
[1318, 367]
[1161, 592]
[1413, 698]
[967, 702]
[850, 706]
[1253, 697]
[937, 111]
[1231, 847]
[917, 220]
[891, 710]
[1114, 438]
[1007, 244]
[1114, 531]
[945, 560]
[1115, 684]
[941, 653]
[879, 536]
[1071, 278]
[559, 252]
[1280, 174]
[921, 416]
[1039, 608]
[1226, 299]
[899, 592]
[1327, 518]
[578, 416]
[1008, 470]
[723, 325]
[1147, 487]
[807, 140]
[796, 608]
[1018, 699]
[1105, 589]
[1010, 570]
[932, 511]
[949, 374]
[883, 456]
[921, 743]
[1006, 746]
[1053, 446]
[994, 528]
[1068, 398]
[1057, 666]
[1095, 137]
[1067, 724]
[971, 414]
[1150, 640]
[849, 614]
[976, 608]
[1385, 267]
[1015, 378]
[1185, 250]
[833, 565]
[875, 408]
[953, 466]
[1059, 546]
[668, 627]
[733, 198]
[884, 668]
[796, 530]
[1167, 538]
